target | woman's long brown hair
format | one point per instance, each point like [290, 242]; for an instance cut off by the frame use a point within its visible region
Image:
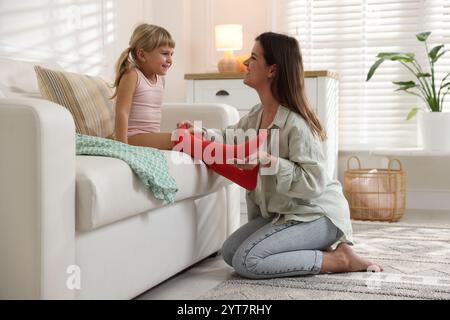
[288, 85]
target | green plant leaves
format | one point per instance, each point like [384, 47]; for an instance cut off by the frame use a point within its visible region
[433, 103]
[412, 113]
[404, 85]
[423, 36]
[433, 54]
[393, 56]
[373, 68]
[386, 55]
[396, 56]
[425, 87]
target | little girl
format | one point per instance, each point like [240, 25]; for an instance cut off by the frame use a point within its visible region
[139, 88]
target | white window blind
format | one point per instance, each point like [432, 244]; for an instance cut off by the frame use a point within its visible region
[345, 36]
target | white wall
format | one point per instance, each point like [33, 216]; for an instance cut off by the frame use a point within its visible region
[178, 23]
[128, 14]
[81, 36]
[88, 36]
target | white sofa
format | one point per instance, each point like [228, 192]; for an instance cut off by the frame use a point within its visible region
[83, 227]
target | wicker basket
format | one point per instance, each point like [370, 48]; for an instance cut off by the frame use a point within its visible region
[375, 194]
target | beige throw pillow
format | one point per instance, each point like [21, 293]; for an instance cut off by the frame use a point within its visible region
[86, 97]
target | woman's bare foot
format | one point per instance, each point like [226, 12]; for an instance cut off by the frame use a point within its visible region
[344, 259]
[356, 262]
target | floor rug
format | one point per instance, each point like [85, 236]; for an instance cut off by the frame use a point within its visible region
[416, 260]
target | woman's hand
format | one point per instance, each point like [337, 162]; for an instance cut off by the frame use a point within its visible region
[248, 166]
[261, 158]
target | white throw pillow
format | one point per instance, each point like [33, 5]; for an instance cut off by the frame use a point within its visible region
[18, 79]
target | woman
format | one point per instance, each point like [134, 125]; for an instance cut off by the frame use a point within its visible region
[296, 213]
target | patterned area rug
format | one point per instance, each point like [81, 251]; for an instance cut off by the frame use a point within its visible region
[416, 260]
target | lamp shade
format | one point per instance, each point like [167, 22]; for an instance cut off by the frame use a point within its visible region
[228, 37]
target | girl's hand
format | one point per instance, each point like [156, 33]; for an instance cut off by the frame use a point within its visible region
[186, 124]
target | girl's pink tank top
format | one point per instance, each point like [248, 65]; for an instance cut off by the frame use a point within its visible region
[145, 113]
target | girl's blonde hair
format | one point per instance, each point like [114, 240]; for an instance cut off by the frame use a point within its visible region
[147, 37]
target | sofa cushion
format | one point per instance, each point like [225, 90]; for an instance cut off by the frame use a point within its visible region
[86, 97]
[18, 78]
[107, 190]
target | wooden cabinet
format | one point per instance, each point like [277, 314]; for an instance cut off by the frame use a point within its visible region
[321, 89]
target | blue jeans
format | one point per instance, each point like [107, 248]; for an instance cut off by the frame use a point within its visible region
[261, 250]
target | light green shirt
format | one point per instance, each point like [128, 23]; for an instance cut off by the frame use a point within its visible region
[299, 188]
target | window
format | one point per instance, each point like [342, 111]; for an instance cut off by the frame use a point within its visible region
[345, 36]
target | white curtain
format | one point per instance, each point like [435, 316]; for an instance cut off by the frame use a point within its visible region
[345, 36]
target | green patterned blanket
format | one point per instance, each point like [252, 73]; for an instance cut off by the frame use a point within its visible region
[148, 164]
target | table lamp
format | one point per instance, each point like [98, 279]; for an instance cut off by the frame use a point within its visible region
[228, 38]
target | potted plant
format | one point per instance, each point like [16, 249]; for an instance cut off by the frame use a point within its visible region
[425, 87]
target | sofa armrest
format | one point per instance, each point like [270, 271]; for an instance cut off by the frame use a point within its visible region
[212, 115]
[37, 199]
